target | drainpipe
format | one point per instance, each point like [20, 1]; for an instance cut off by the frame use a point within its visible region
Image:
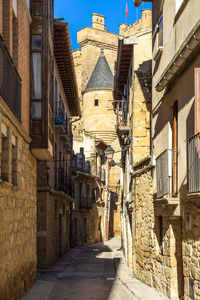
[108, 215]
[124, 208]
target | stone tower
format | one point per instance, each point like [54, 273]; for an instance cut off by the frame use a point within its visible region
[94, 65]
[98, 116]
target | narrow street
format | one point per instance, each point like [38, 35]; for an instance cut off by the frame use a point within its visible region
[87, 273]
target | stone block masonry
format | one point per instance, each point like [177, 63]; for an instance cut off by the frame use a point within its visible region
[17, 212]
[156, 242]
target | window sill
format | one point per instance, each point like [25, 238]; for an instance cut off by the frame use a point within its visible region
[168, 200]
[195, 195]
[8, 184]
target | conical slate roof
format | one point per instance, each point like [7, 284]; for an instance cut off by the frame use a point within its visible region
[102, 76]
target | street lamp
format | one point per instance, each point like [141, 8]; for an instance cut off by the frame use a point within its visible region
[109, 153]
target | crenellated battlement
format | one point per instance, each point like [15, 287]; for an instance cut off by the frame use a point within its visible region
[144, 22]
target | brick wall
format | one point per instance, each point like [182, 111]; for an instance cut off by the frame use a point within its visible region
[7, 24]
[24, 62]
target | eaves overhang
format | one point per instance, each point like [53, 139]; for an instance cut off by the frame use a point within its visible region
[65, 63]
[187, 52]
[124, 56]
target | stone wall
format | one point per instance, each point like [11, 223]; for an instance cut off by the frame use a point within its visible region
[53, 235]
[17, 211]
[157, 257]
[191, 247]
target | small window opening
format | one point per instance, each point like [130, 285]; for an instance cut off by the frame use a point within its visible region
[14, 165]
[96, 102]
[5, 159]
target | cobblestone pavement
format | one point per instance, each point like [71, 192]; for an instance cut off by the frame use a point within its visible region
[96, 272]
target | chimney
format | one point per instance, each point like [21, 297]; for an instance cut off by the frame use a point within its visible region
[98, 21]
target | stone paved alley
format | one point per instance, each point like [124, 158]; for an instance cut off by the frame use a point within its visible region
[95, 272]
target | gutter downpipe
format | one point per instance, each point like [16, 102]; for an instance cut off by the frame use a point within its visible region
[124, 209]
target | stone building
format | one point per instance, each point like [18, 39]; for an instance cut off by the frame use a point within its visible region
[132, 93]
[17, 163]
[173, 255]
[89, 179]
[55, 189]
[94, 65]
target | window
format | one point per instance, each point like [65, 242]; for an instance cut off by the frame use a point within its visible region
[36, 46]
[4, 158]
[8, 155]
[36, 110]
[88, 196]
[36, 42]
[188, 225]
[37, 75]
[96, 102]
[160, 31]
[80, 195]
[14, 161]
[175, 150]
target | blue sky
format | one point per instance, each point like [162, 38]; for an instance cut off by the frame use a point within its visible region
[78, 14]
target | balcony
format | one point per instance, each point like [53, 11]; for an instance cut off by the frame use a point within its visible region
[10, 82]
[194, 163]
[166, 181]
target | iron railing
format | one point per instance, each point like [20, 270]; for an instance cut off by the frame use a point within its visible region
[194, 163]
[10, 82]
[63, 183]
